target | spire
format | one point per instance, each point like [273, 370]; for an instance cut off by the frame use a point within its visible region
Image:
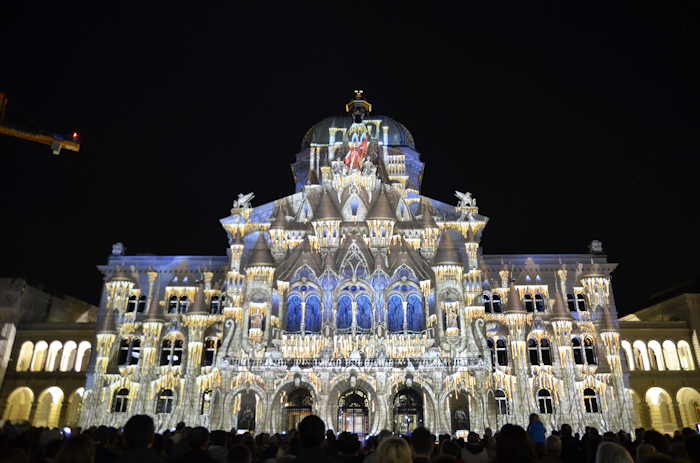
[260, 255]
[515, 305]
[327, 210]
[381, 209]
[108, 324]
[279, 220]
[154, 314]
[427, 220]
[199, 306]
[447, 253]
[560, 310]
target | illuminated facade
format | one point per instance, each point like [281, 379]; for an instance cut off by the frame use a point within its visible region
[360, 300]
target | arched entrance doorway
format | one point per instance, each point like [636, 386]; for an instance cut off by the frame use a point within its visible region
[245, 407]
[353, 412]
[298, 404]
[459, 411]
[48, 409]
[408, 410]
[19, 405]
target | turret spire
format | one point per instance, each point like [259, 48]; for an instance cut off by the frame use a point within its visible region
[260, 255]
[447, 253]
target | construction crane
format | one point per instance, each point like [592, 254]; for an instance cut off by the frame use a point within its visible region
[56, 142]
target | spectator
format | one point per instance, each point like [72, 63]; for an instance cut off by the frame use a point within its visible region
[422, 444]
[239, 454]
[139, 432]
[552, 449]
[514, 445]
[474, 450]
[611, 452]
[395, 450]
[536, 431]
[311, 438]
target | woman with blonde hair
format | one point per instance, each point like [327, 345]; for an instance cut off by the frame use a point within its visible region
[610, 452]
[394, 450]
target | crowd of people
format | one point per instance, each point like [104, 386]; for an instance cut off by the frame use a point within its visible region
[311, 442]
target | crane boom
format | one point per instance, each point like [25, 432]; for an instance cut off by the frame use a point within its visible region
[56, 142]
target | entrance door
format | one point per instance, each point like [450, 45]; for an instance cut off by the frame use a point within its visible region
[408, 410]
[298, 405]
[246, 411]
[353, 413]
[459, 411]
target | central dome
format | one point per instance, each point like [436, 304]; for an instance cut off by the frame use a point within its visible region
[319, 133]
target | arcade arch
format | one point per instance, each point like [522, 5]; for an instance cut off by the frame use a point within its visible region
[48, 408]
[19, 405]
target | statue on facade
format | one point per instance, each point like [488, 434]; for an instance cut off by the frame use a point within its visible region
[465, 199]
[243, 201]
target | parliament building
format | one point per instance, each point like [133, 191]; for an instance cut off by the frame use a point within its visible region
[358, 299]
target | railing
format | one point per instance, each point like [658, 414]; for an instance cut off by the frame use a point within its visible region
[469, 363]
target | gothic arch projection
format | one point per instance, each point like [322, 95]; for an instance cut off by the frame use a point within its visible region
[458, 408]
[637, 410]
[661, 410]
[39, 357]
[415, 317]
[70, 349]
[294, 313]
[641, 356]
[364, 312]
[83, 356]
[344, 314]
[25, 356]
[53, 357]
[656, 356]
[338, 419]
[627, 349]
[685, 355]
[353, 412]
[408, 410]
[48, 408]
[395, 314]
[289, 405]
[19, 405]
[75, 402]
[688, 400]
[312, 318]
[671, 356]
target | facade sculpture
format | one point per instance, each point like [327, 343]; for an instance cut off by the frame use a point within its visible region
[360, 300]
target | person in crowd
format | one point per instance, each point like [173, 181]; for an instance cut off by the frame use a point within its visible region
[422, 442]
[537, 433]
[514, 445]
[347, 448]
[217, 446]
[394, 450]
[553, 450]
[79, 449]
[312, 431]
[139, 433]
[474, 450]
[198, 442]
[239, 454]
[612, 452]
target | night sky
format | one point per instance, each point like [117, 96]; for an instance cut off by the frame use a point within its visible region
[567, 124]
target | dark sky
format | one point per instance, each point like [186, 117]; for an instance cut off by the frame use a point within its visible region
[567, 124]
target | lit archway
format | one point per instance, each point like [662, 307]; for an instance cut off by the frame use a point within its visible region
[53, 356]
[656, 356]
[39, 357]
[70, 349]
[83, 357]
[661, 410]
[627, 347]
[641, 356]
[48, 408]
[75, 402]
[637, 411]
[685, 355]
[689, 405]
[671, 356]
[19, 405]
[25, 356]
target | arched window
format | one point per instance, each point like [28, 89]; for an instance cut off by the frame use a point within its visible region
[183, 304]
[590, 401]
[129, 351]
[544, 401]
[294, 313]
[395, 313]
[546, 352]
[312, 321]
[487, 303]
[670, 355]
[83, 358]
[141, 306]
[571, 302]
[501, 352]
[70, 350]
[39, 358]
[206, 402]
[54, 356]
[344, 315]
[364, 312]
[215, 305]
[172, 304]
[120, 401]
[496, 303]
[685, 355]
[501, 402]
[539, 302]
[533, 351]
[589, 349]
[131, 304]
[627, 347]
[414, 313]
[581, 302]
[492, 350]
[578, 351]
[529, 303]
[211, 346]
[171, 352]
[25, 356]
[165, 401]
